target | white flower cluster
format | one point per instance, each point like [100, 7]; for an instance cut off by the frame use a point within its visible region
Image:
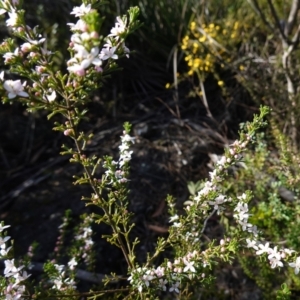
[242, 216]
[168, 277]
[275, 256]
[83, 44]
[14, 289]
[9, 6]
[85, 237]
[15, 87]
[125, 156]
[61, 282]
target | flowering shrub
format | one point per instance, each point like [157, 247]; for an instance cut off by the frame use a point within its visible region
[92, 57]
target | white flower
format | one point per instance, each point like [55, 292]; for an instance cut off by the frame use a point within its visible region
[244, 223]
[13, 19]
[147, 278]
[21, 277]
[15, 88]
[107, 53]
[188, 266]
[125, 157]
[50, 96]
[274, 261]
[162, 284]
[274, 253]
[119, 28]
[59, 268]
[81, 10]
[263, 249]
[127, 138]
[83, 59]
[4, 240]
[1, 226]
[57, 284]
[3, 250]
[253, 230]
[174, 287]
[10, 268]
[174, 218]
[218, 201]
[177, 224]
[252, 244]
[296, 265]
[72, 263]
[241, 207]
[80, 26]
[288, 251]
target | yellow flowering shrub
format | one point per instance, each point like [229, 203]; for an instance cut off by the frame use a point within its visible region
[207, 45]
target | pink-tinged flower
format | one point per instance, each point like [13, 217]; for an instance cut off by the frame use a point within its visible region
[9, 55]
[107, 53]
[77, 69]
[26, 47]
[13, 19]
[15, 88]
[81, 10]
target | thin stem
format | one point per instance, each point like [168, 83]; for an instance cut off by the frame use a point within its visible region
[92, 184]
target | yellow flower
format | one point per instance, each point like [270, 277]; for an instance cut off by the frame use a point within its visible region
[242, 68]
[168, 85]
[236, 26]
[202, 39]
[220, 83]
[193, 25]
